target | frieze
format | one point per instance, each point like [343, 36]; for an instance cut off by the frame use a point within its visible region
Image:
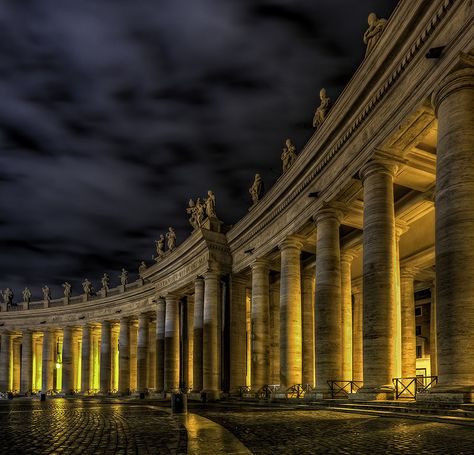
[184, 272]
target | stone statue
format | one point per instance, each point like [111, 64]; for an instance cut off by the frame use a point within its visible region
[46, 293]
[323, 109]
[8, 296]
[160, 247]
[210, 203]
[123, 277]
[171, 238]
[26, 295]
[373, 33]
[105, 280]
[256, 190]
[142, 267]
[288, 156]
[200, 209]
[191, 210]
[87, 286]
[67, 290]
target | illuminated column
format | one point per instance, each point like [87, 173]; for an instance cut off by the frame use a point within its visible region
[407, 292]
[26, 381]
[260, 321]
[198, 336]
[38, 351]
[105, 358]
[152, 355]
[433, 335]
[290, 313]
[142, 352]
[275, 332]
[5, 362]
[238, 341]
[16, 360]
[308, 347]
[454, 231]
[172, 343]
[49, 361]
[67, 366]
[160, 344]
[327, 310]
[124, 360]
[190, 340]
[133, 353]
[379, 301]
[357, 339]
[346, 315]
[114, 356]
[211, 336]
[87, 359]
[96, 341]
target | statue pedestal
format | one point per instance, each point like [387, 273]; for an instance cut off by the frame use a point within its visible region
[45, 303]
[123, 287]
[3, 307]
[103, 292]
[66, 300]
[85, 297]
[24, 305]
[212, 224]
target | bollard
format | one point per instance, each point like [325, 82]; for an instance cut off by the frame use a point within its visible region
[142, 395]
[179, 403]
[10, 395]
[43, 397]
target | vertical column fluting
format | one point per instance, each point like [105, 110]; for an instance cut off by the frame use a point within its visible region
[160, 344]
[307, 315]
[124, 357]
[198, 335]
[260, 320]
[327, 311]
[67, 358]
[38, 353]
[211, 336]
[346, 315]
[454, 232]
[49, 346]
[5, 362]
[16, 364]
[26, 375]
[114, 356]
[238, 341]
[357, 336]
[105, 358]
[190, 341]
[433, 334]
[407, 293]
[152, 355]
[142, 352]
[172, 343]
[290, 313]
[378, 280]
[275, 332]
[87, 358]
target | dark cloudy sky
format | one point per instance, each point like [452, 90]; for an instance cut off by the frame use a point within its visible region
[114, 113]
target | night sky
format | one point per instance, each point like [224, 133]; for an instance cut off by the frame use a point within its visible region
[114, 113]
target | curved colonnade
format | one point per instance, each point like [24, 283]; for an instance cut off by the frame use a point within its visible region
[318, 282]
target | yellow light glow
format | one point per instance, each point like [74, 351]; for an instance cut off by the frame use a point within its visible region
[58, 366]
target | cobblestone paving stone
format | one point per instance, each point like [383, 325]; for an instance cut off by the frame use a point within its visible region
[81, 427]
[273, 431]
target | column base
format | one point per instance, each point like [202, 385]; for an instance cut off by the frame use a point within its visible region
[373, 394]
[318, 394]
[447, 394]
[210, 395]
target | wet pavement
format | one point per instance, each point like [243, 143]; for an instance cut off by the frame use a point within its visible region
[96, 427]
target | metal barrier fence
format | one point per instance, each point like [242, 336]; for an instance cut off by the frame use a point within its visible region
[410, 387]
[341, 388]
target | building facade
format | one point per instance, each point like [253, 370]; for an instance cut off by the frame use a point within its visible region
[317, 283]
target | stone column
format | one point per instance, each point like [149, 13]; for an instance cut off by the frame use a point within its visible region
[152, 354]
[211, 336]
[407, 292]
[16, 367]
[454, 232]
[105, 358]
[275, 332]
[124, 356]
[260, 322]
[67, 366]
[357, 339]
[327, 310]
[198, 326]
[160, 344]
[114, 356]
[172, 343]
[307, 313]
[38, 351]
[87, 359]
[346, 315]
[290, 313]
[96, 347]
[5, 362]
[49, 364]
[238, 341]
[378, 280]
[142, 352]
[133, 353]
[26, 375]
[433, 335]
[190, 340]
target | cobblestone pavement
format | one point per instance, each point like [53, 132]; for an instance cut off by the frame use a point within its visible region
[86, 427]
[274, 431]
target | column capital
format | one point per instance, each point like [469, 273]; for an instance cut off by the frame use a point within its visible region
[379, 164]
[331, 210]
[210, 274]
[260, 263]
[292, 241]
[239, 279]
[348, 255]
[462, 77]
[401, 227]
[309, 272]
[408, 271]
